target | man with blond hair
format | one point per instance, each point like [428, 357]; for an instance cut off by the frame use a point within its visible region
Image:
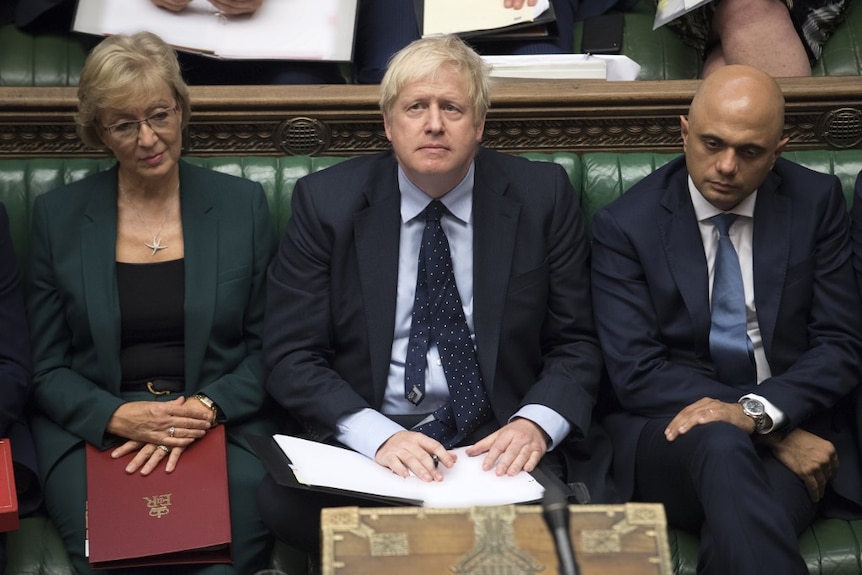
[353, 334]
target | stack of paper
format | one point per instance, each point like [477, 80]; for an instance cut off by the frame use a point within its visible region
[668, 10]
[562, 67]
[278, 30]
[460, 16]
[466, 484]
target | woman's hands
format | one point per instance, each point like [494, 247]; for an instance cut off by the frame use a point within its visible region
[159, 430]
[149, 456]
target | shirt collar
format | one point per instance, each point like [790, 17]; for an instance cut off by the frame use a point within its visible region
[703, 210]
[459, 200]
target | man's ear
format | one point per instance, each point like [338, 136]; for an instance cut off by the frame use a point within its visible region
[386, 126]
[779, 149]
[683, 128]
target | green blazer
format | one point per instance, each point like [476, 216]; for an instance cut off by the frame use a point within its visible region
[74, 313]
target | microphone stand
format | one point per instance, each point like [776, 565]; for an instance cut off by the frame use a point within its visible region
[555, 510]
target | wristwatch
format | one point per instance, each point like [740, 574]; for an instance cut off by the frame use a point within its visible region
[754, 409]
[209, 403]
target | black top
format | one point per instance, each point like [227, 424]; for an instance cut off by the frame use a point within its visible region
[152, 325]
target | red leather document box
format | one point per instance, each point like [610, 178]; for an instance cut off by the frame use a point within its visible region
[8, 495]
[162, 518]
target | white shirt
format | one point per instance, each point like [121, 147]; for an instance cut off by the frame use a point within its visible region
[741, 233]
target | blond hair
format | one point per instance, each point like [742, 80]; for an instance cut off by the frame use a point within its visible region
[121, 69]
[425, 58]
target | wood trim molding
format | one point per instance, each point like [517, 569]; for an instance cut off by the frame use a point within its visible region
[821, 113]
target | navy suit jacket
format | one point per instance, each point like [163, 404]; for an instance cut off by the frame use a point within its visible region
[332, 292]
[651, 298]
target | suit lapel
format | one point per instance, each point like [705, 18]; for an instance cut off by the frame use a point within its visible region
[98, 269]
[377, 236]
[683, 249]
[494, 235]
[200, 230]
[771, 247]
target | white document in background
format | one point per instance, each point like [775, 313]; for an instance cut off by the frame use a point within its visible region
[457, 16]
[668, 10]
[562, 67]
[465, 485]
[278, 30]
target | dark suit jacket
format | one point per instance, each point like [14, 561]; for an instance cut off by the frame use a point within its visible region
[651, 298]
[27, 11]
[74, 310]
[332, 293]
[15, 367]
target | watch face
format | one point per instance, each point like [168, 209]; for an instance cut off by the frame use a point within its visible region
[753, 407]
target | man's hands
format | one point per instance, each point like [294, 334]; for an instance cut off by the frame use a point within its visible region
[517, 446]
[811, 458]
[412, 452]
[227, 7]
[708, 410]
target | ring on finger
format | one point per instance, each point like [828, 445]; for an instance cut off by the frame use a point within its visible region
[165, 448]
[171, 431]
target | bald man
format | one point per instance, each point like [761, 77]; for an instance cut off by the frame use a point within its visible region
[739, 432]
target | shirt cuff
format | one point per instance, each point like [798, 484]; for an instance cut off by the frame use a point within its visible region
[555, 425]
[776, 415]
[365, 431]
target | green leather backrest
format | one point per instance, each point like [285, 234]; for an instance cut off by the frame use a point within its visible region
[607, 175]
[598, 177]
[40, 59]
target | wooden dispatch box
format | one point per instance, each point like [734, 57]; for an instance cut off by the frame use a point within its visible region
[629, 539]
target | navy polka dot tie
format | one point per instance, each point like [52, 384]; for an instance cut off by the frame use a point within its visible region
[438, 318]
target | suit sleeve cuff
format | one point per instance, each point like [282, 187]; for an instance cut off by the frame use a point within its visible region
[365, 431]
[555, 425]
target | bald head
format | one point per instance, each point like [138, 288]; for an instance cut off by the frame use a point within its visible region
[733, 134]
[741, 93]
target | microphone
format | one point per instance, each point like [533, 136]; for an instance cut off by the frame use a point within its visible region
[555, 510]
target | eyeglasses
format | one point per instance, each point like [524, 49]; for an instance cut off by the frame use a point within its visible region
[158, 122]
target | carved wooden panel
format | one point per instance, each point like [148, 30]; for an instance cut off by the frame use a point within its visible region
[344, 120]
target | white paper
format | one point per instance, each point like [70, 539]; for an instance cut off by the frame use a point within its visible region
[668, 10]
[456, 16]
[464, 485]
[563, 66]
[278, 30]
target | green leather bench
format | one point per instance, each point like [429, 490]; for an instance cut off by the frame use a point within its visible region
[55, 59]
[830, 547]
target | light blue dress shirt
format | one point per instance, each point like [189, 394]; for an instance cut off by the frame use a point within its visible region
[741, 236]
[365, 431]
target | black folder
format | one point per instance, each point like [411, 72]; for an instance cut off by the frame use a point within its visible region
[543, 26]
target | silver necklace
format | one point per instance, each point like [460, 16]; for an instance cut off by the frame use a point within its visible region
[156, 244]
